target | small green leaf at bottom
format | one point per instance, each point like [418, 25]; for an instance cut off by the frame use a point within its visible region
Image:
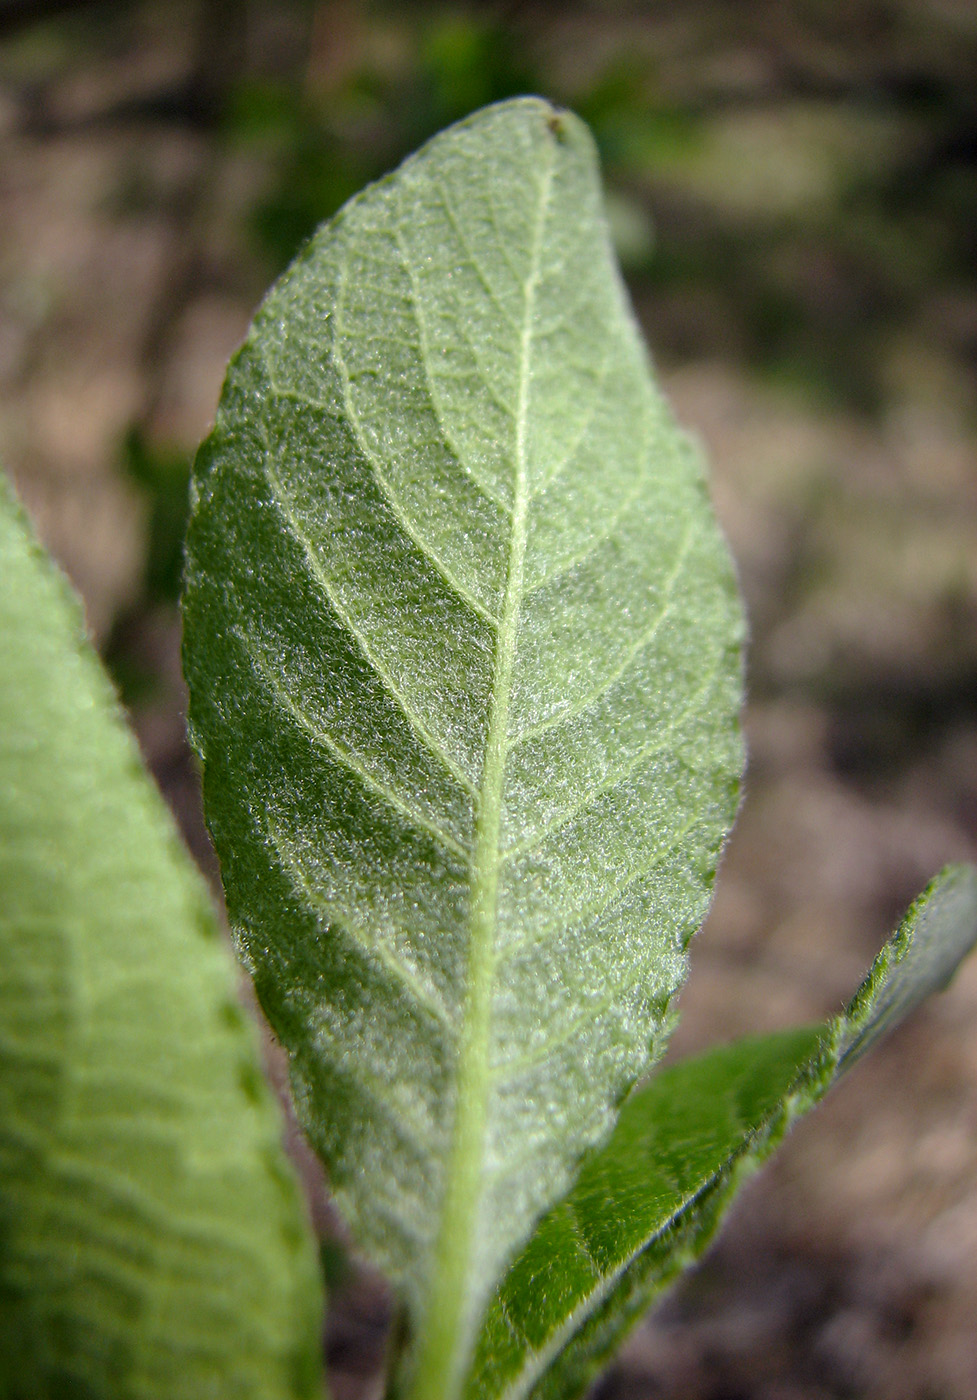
[646, 1205]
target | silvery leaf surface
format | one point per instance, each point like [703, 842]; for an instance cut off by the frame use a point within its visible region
[462, 640]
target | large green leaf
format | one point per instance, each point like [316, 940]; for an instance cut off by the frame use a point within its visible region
[462, 642]
[647, 1204]
[152, 1241]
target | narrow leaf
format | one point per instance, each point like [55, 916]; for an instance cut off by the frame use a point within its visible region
[462, 642]
[152, 1241]
[647, 1204]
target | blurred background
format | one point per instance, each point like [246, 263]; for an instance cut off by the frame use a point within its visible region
[792, 186]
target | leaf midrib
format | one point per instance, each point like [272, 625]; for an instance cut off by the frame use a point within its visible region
[444, 1339]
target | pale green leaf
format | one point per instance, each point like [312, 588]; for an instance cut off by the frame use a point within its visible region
[462, 641]
[152, 1240]
[646, 1205]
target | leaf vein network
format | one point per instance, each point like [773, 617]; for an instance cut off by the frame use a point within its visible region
[286, 507]
[409, 1129]
[592, 545]
[373, 949]
[446, 434]
[619, 776]
[344, 756]
[584, 916]
[643, 640]
[505, 1071]
[457, 456]
[569, 456]
[474, 262]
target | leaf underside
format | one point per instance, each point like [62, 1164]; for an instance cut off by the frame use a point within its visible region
[152, 1240]
[462, 641]
[646, 1205]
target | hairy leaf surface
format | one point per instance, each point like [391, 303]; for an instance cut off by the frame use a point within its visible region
[647, 1204]
[462, 641]
[152, 1241]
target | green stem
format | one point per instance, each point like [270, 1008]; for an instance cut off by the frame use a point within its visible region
[451, 1312]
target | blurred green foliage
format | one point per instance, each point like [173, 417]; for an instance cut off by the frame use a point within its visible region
[162, 475]
[797, 223]
[794, 183]
[326, 145]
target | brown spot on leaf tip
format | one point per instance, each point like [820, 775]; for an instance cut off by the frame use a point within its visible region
[556, 125]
